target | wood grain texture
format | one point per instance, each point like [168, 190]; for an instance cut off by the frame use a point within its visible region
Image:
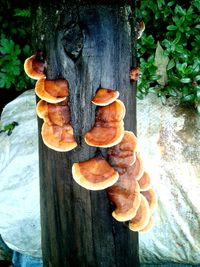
[90, 46]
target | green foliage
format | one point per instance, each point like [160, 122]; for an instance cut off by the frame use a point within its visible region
[174, 25]
[9, 127]
[14, 46]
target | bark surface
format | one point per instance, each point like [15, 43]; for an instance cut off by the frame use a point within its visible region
[92, 46]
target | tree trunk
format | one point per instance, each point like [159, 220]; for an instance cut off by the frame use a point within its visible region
[91, 46]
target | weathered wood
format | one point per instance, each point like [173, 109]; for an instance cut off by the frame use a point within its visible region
[91, 46]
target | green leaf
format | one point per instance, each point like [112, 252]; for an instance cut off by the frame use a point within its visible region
[179, 10]
[197, 78]
[185, 80]
[198, 95]
[171, 64]
[189, 98]
[22, 12]
[171, 27]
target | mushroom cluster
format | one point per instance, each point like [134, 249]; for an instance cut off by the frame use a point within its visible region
[127, 184]
[132, 194]
[96, 173]
[57, 132]
[108, 129]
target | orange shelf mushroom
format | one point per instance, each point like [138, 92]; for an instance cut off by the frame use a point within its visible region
[125, 194]
[151, 197]
[57, 133]
[52, 91]
[34, 66]
[149, 226]
[59, 138]
[138, 168]
[141, 220]
[58, 114]
[145, 182]
[108, 129]
[134, 74]
[105, 97]
[94, 174]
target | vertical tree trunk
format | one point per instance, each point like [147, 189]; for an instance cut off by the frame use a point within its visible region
[90, 45]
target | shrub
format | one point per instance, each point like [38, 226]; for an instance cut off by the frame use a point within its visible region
[14, 46]
[171, 36]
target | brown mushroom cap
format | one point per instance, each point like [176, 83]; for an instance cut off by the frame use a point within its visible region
[105, 97]
[137, 169]
[114, 112]
[94, 174]
[123, 154]
[125, 194]
[108, 129]
[105, 136]
[57, 114]
[145, 182]
[52, 91]
[142, 217]
[123, 161]
[134, 74]
[34, 68]
[59, 138]
[126, 146]
[151, 197]
[149, 226]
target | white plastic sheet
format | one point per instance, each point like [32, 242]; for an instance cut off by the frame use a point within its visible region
[19, 177]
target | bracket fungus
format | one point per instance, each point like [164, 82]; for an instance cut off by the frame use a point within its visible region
[134, 73]
[145, 182]
[59, 138]
[52, 91]
[138, 168]
[149, 226]
[125, 193]
[151, 197]
[105, 97]
[142, 216]
[108, 129]
[94, 174]
[143, 221]
[34, 66]
[57, 133]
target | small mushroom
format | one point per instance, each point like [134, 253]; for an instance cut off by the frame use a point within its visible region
[59, 138]
[142, 217]
[105, 97]
[125, 194]
[58, 114]
[134, 73]
[57, 133]
[123, 154]
[151, 197]
[34, 66]
[137, 169]
[144, 182]
[94, 174]
[52, 91]
[108, 129]
[114, 112]
[149, 226]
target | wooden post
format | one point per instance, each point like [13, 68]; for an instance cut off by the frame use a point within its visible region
[90, 45]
